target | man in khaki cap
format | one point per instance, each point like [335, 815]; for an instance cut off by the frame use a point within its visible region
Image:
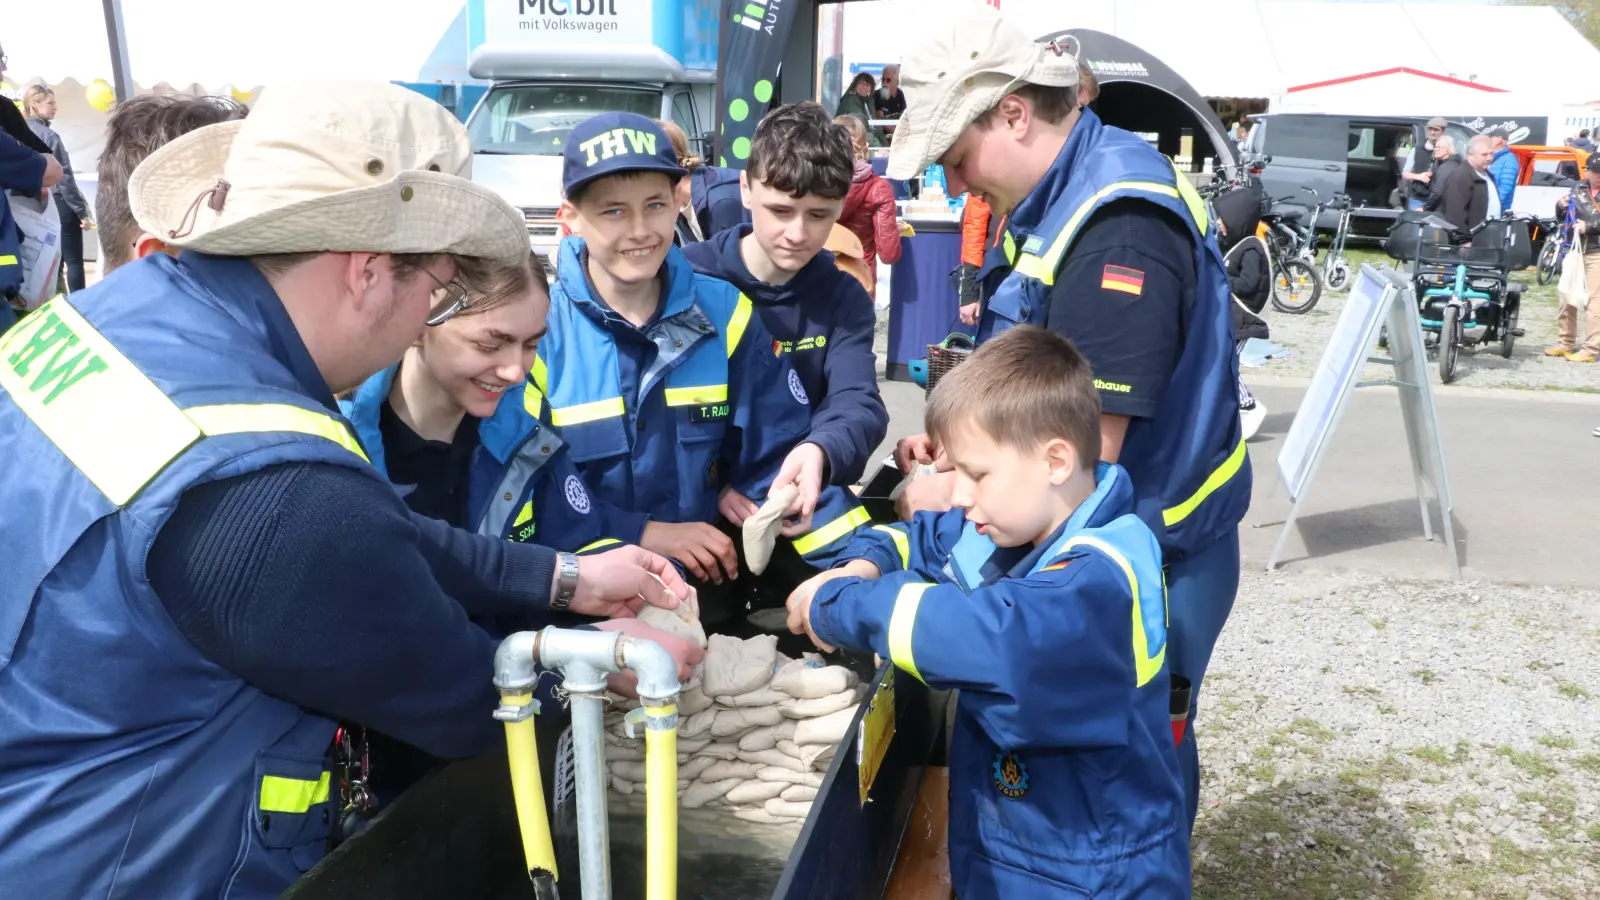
[1117, 255]
[202, 573]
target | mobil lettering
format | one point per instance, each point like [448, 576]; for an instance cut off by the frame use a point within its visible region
[48, 356]
[568, 7]
[617, 142]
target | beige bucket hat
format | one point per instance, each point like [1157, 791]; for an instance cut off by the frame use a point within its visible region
[962, 71]
[361, 166]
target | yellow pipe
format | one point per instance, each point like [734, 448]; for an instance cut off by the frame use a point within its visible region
[661, 804]
[528, 789]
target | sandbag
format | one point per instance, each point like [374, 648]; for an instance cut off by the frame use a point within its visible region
[680, 622]
[762, 816]
[820, 706]
[768, 737]
[690, 746]
[764, 697]
[760, 531]
[774, 759]
[758, 791]
[798, 792]
[829, 729]
[735, 667]
[730, 722]
[693, 700]
[790, 776]
[796, 809]
[720, 750]
[731, 768]
[801, 679]
[621, 786]
[701, 792]
[695, 767]
[625, 754]
[629, 771]
[697, 724]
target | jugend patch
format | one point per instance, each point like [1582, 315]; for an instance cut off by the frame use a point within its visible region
[1121, 278]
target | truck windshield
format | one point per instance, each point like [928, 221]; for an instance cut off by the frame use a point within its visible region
[534, 119]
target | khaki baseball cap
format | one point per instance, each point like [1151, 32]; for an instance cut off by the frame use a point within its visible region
[1437, 122]
[962, 72]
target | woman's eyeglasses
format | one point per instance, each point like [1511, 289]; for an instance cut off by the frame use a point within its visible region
[448, 300]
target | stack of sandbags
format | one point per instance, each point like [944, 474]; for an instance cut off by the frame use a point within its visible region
[756, 731]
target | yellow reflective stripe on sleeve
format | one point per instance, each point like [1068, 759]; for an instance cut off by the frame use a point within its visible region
[1229, 468]
[1191, 199]
[541, 375]
[692, 396]
[524, 516]
[586, 412]
[255, 418]
[901, 624]
[603, 542]
[902, 544]
[8, 260]
[737, 323]
[292, 795]
[532, 400]
[1043, 268]
[1145, 666]
[99, 410]
[818, 538]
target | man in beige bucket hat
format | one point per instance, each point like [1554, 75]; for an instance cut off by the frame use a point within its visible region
[203, 575]
[1115, 253]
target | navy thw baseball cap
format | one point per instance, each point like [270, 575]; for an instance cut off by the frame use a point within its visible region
[616, 142]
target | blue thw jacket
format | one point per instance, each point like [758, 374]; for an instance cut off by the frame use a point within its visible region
[523, 485]
[1503, 171]
[823, 321]
[21, 170]
[660, 419]
[1063, 777]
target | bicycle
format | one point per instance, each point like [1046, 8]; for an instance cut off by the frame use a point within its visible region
[1291, 247]
[1335, 270]
[1464, 293]
[1556, 245]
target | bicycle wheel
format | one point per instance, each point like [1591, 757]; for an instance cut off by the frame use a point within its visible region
[1338, 275]
[1449, 343]
[1549, 260]
[1296, 286]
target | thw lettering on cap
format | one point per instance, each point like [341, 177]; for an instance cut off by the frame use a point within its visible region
[615, 143]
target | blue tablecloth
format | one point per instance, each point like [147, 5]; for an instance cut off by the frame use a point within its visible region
[923, 302]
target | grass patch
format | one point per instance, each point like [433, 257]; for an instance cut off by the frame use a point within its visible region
[1363, 690]
[1463, 752]
[1389, 768]
[1504, 856]
[1311, 728]
[1539, 665]
[1385, 709]
[1425, 676]
[1558, 743]
[1264, 772]
[1435, 755]
[1379, 624]
[1262, 753]
[1532, 762]
[1571, 691]
[1594, 833]
[1589, 762]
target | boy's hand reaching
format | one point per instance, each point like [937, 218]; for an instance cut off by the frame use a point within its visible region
[736, 507]
[800, 598]
[803, 468]
[700, 547]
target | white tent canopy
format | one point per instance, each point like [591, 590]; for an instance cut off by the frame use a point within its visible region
[1262, 48]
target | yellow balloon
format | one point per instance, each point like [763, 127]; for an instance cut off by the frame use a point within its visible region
[100, 95]
[7, 87]
[241, 96]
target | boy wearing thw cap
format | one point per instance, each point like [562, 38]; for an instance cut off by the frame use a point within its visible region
[663, 381]
[1117, 255]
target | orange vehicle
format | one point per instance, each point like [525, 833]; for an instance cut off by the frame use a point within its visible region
[1543, 177]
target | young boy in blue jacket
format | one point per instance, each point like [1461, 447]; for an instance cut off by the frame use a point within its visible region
[1039, 597]
[795, 183]
[661, 381]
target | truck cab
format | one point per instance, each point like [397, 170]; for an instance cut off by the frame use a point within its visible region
[555, 63]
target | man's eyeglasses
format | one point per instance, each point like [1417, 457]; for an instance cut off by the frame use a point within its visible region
[448, 300]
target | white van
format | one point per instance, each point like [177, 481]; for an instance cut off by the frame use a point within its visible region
[555, 63]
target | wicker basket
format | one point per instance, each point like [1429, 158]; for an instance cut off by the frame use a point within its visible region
[946, 355]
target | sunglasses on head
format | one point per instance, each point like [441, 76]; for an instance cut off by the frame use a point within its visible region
[449, 299]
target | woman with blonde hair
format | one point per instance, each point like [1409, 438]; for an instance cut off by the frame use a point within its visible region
[709, 199]
[39, 104]
[869, 209]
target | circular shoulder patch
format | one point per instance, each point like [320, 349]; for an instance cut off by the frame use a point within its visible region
[577, 497]
[797, 389]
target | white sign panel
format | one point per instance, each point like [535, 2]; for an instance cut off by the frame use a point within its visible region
[567, 22]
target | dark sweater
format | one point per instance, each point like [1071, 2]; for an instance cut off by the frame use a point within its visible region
[840, 373]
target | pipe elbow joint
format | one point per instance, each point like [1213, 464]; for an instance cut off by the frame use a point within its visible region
[657, 671]
[516, 663]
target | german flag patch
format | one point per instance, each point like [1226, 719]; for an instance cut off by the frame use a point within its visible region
[1121, 278]
[1054, 566]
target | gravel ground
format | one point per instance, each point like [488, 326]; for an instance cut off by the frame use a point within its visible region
[1372, 738]
[1528, 368]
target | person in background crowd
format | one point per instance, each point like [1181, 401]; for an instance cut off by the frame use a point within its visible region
[1461, 193]
[1582, 141]
[1113, 258]
[1503, 170]
[1418, 173]
[1586, 194]
[1249, 284]
[1241, 135]
[239, 574]
[869, 209]
[1088, 85]
[28, 173]
[857, 102]
[688, 229]
[887, 101]
[987, 252]
[14, 123]
[40, 104]
[797, 180]
[137, 129]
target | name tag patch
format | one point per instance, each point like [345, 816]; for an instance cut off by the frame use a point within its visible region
[708, 412]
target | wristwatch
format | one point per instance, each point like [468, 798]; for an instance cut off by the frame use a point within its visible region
[566, 581]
